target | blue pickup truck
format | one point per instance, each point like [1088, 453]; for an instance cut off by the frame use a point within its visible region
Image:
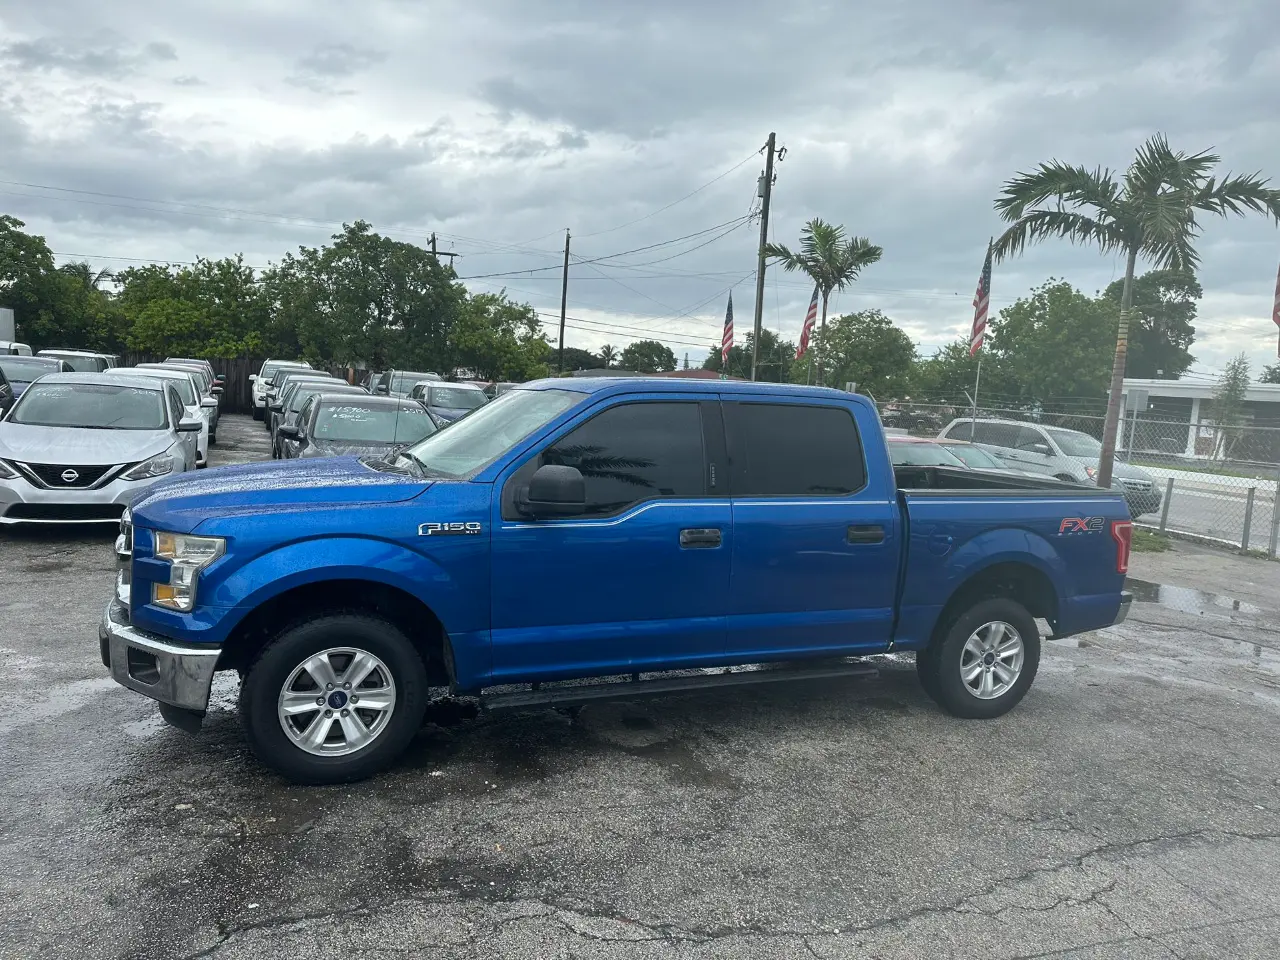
[584, 539]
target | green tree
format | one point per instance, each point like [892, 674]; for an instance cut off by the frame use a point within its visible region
[497, 339]
[1052, 345]
[866, 348]
[165, 327]
[1161, 324]
[949, 373]
[776, 358]
[830, 260]
[575, 358]
[1270, 374]
[608, 355]
[1228, 405]
[1150, 212]
[647, 356]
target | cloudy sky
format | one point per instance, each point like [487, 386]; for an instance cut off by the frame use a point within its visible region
[164, 131]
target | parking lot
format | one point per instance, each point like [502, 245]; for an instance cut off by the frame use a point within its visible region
[1130, 807]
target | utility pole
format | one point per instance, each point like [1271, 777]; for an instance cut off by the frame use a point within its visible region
[436, 253]
[765, 193]
[564, 298]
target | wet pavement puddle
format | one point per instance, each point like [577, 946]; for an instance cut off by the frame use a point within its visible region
[1187, 600]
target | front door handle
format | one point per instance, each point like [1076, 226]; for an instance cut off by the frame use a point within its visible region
[865, 533]
[700, 537]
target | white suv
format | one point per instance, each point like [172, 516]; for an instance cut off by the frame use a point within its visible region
[263, 377]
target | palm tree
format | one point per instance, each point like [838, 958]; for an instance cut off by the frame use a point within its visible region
[1150, 213]
[88, 277]
[608, 355]
[831, 261]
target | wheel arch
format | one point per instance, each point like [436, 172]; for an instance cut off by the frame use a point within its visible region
[1023, 582]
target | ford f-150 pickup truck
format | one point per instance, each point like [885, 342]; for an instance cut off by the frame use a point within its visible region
[659, 532]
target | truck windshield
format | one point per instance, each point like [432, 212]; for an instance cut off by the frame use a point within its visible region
[1076, 444]
[468, 446]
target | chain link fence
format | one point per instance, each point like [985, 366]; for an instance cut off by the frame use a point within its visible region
[1212, 482]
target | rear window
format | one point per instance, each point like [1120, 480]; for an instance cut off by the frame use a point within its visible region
[914, 453]
[781, 450]
[81, 364]
[355, 423]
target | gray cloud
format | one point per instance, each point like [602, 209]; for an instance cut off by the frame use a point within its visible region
[532, 115]
[106, 59]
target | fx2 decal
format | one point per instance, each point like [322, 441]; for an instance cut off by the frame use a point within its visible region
[1081, 525]
[448, 529]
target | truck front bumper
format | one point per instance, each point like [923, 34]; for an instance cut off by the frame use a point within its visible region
[177, 675]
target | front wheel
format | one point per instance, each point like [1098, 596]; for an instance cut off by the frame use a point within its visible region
[986, 662]
[257, 412]
[334, 699]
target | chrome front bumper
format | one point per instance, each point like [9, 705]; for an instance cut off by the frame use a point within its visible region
[172, 673]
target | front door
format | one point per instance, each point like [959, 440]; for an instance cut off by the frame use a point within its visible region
[815, 545]
[640, 581]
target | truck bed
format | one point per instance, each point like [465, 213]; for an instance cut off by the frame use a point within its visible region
[919, 480]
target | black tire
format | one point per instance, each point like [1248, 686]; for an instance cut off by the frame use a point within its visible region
[939, 666]
[257, 412]
[213, 438]
[260, 691]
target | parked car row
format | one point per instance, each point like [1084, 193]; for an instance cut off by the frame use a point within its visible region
[80, 436]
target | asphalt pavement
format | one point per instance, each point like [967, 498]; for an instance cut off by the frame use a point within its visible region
[1130, 807]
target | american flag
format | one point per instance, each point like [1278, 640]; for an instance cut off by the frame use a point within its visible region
[810, 319]
[727, 340]
[981, 301]
[1275, 310]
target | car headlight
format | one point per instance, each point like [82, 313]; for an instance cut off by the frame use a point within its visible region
[187, 556]
[7, 472]
[157, 466]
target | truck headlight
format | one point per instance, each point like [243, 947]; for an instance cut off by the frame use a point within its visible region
[187, 556]
[155, 467]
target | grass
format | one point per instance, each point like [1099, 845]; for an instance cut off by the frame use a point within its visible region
[1144, 541]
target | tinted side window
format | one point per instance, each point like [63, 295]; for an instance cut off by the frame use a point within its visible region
[793, 450]
[960, 431]
[997, 434]
[635, 452]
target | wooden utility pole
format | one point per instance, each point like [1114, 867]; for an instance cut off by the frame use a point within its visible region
[439, 253]
[765, 193]
[564, 298]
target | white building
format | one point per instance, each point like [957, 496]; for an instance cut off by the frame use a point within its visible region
[1178, 421]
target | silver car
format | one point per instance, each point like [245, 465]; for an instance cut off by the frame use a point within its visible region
[195, 406]
[1056, 452]
[77, 447]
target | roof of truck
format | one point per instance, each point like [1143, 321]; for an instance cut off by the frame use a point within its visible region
[678, 385]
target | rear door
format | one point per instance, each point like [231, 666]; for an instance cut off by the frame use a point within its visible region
[815, 553]
[641, 580]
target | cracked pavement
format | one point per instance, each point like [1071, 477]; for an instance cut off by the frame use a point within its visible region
[1130, 807]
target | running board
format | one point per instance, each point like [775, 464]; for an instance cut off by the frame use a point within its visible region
[634, 689]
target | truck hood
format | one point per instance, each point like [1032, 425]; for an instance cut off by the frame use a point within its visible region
[77, 446]
[181, 503]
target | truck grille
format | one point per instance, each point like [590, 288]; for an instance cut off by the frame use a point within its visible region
[124, 559]
[66, 476]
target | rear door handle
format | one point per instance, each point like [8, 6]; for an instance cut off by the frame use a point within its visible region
[865, 533]
[700, 537]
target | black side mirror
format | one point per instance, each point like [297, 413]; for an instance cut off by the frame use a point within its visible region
[289, 430]
[555, 491]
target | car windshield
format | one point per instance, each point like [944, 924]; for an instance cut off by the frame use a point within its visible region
[78, 364]
[475, 441]
[402, 381]
[456, 398]
[975, 457]
[271, 366]
[26, 369]
[184, 387]
[1076, 444]
[922, 454]
[96, 406]
[362, 423]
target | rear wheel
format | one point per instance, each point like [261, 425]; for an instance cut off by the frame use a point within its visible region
[334, 699]
[986, 662]
[257, 412]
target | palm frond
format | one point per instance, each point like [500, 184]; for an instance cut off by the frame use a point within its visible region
[1071, 185]
[1064, 224]
[1237, 194]
[1158, 167]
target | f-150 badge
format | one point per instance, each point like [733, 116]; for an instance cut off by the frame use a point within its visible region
[448, 529]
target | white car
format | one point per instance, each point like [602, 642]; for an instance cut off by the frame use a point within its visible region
[196, 406]
[78, 447]
[81, 361]
[263, 377]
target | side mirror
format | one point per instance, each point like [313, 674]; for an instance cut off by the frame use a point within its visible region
[277, 406]
[220, 378]
[208, 402]
[190, 425]
[289, 430]
[216, 391]
[253, 377]
[555, 491]
[381, 388]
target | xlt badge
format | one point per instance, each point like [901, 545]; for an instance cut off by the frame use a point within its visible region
[448, 529]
